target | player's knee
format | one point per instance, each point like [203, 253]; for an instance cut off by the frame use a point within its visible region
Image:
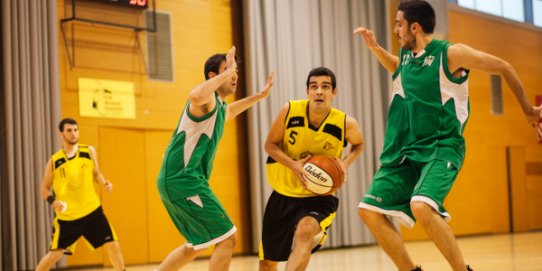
[266, 265]
[306, 229]
[420, 210]
[230, 241]
[112, 247]
[55, 255]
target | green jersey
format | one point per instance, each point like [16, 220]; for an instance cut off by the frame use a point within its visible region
[188, 161]
[429, 109]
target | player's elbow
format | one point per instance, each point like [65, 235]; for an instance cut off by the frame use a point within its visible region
[196, 99]
[270, 147]
[267, 147]
[502, 67]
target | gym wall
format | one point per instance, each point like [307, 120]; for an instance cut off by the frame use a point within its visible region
[130, 151]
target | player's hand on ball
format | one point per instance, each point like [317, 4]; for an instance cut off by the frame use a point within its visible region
[299, 171]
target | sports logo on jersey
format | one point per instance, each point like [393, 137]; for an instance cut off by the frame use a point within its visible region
[295, 122]
[428, 60]
[59, 162]
[328, 146]
[405, 59]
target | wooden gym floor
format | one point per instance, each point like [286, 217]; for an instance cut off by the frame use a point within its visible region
[504, 252]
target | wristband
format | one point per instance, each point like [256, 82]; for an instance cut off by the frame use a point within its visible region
[51, 199]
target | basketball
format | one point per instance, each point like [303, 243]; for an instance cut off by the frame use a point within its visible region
[324, 174]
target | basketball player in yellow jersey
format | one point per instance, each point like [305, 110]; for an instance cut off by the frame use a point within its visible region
[78, 212]
[295, 219]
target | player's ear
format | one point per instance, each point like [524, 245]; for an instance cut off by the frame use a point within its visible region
[211, 75]
[414, 27]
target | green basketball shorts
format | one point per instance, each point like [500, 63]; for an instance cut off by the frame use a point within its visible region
[393, 188]
[201, 219]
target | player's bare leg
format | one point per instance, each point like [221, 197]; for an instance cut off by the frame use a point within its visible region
[388, 237]
[49, 260]
[115, 255]
[307, 228]
[221, 258]
[440, 233]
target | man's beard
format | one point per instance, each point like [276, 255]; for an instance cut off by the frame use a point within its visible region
[410, 44]
[73, 142]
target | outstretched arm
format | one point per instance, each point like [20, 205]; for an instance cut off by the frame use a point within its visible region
[202, 97]
[98, 176]
[274, 141]
[461, 56]
[389, 61]
[240, 106]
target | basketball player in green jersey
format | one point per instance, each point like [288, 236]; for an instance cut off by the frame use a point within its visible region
[183, 181]
[424, 147]
[71, 173]
[295, 219]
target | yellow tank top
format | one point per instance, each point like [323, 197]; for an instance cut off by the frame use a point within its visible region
[300, 139]
[73, 183]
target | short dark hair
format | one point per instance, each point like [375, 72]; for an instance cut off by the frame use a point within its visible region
[419, 11]
[322, 71]
[66, 121]
[213, 64]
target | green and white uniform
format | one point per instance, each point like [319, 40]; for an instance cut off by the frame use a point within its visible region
[183, 179]
[424, 146]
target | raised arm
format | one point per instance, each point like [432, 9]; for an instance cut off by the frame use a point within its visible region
[274, 141]
[240, 106]
[461, 56]
[98, 176]
[389, 61]
[202, 97]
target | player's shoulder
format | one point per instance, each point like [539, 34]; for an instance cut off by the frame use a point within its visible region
[458, 49]
[351, 121]
[84, 146]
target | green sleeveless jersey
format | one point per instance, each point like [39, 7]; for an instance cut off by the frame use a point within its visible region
[188, 161]
[429, 109]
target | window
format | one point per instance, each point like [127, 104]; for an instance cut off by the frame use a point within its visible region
[513, 10]
[466, 3]
[537, 12]
[492, 7]
[509, 9]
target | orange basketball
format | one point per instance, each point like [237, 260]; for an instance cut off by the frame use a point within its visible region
[323, 174]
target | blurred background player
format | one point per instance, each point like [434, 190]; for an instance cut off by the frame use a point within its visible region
[78, 212]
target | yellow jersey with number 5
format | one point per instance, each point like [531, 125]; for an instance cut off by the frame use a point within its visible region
[301, 139]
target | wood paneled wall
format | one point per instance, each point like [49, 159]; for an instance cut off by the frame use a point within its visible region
[130, 151]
